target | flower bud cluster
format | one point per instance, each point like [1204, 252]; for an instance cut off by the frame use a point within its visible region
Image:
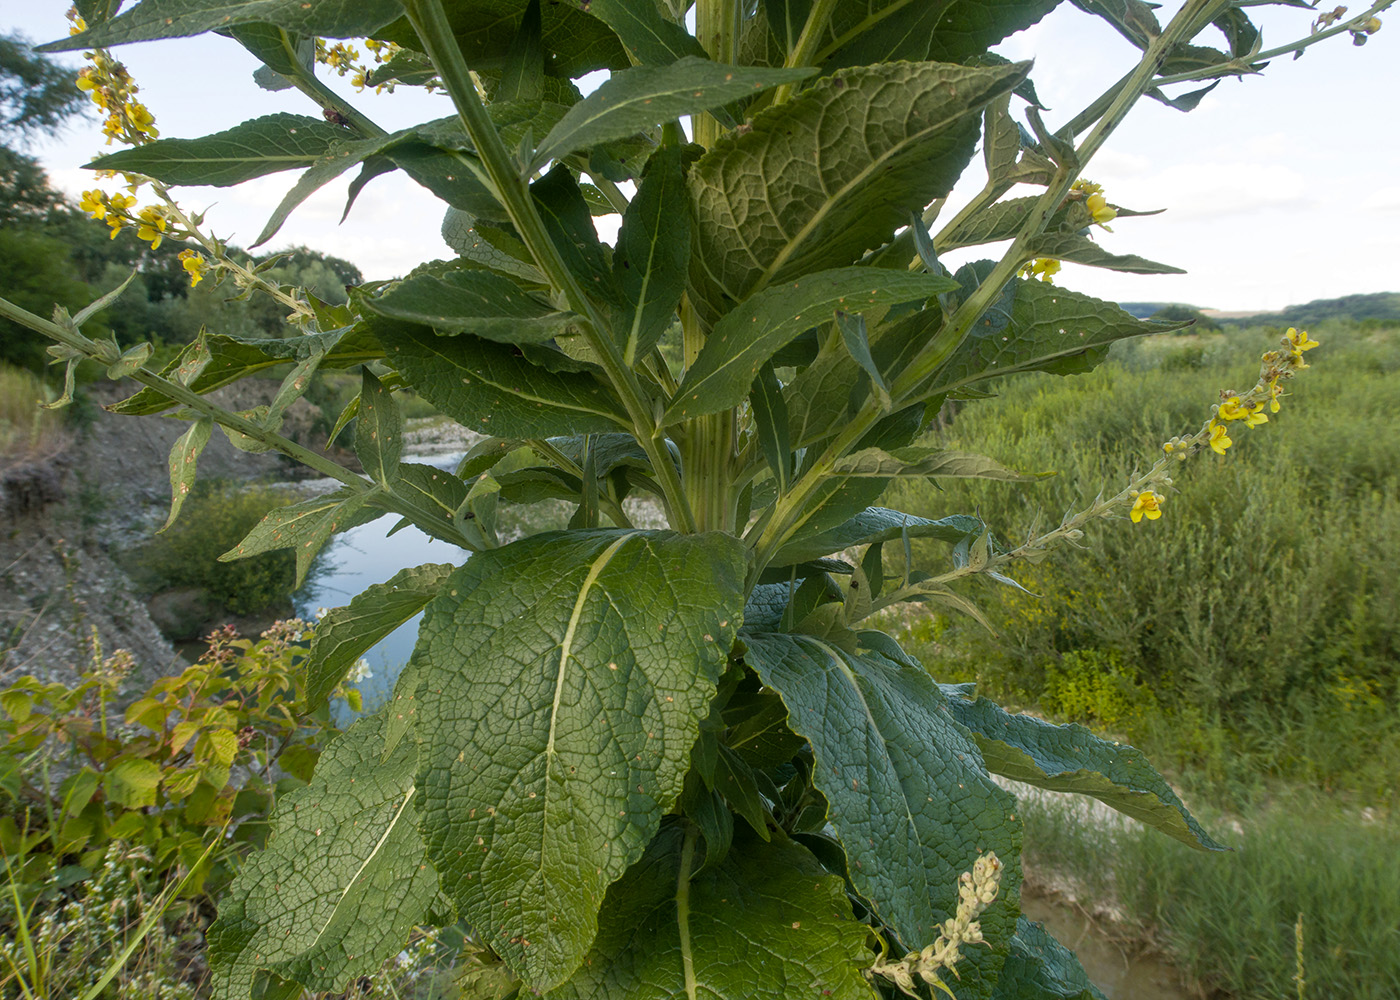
[345, 60]
[111, 88]
[977, 890]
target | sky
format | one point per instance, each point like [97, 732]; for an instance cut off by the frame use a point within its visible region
[1278, 189]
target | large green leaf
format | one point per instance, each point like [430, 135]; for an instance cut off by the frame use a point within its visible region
[650, 38]
[908, 795]
[1040, 968]
[563, 678]
[833, 173]
[261, 146]
[652, 254]
[1051, 329]
[304, 527]
[345, 634]
[343, 880]
[468, 300]
[1069, 758]
[637, 99]
[768, 923]
[871, 31]
[154, 19]
[494, 389]
[214, 360]
[338, 158]
[744, 339]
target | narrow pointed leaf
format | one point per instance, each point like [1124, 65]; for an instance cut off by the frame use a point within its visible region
[304, 527]
[261, 146]
[1070, 758]
[770, 420]
[746, 338]
[637, 99]
[653, 254]
[569, 223]
[153, 19]
[523, 76]
[345, 634]
[184, 454]
[768, 923]
[909, 798]
[1082, 250]
[341, 884]
[480, 303]
[558, 702]
[650, 38]
[492, 390]
[339, 157]
[853, 335]
[832, 173]
[877, 524]
[378, 431]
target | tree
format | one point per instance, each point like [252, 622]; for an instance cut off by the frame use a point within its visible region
[645, 763]
[37, 95]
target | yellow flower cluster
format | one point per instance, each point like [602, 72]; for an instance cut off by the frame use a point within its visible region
[1044, 268]
[111, 88]
[118, 210]
[345, 59]
[1099, 208]
[977, 890]
[195, 265]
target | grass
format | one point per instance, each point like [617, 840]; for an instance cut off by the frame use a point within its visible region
[1226, 921]
[27, 431]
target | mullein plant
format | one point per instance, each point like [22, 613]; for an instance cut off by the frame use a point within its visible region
[643, 763]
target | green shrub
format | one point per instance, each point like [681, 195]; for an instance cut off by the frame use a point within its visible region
[216, 518]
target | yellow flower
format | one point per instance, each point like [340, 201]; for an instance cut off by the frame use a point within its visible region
[79, 25]
[1219, 437]
[1256, 416]
[1275, 391]
[1099, 209]
[1043, 268]
[95, 204]
[112, 128]
[152, 228]
[1298, 341]
[85, 81]
[1146, 504]
[195, 264]
[120, 202]
[141, 119]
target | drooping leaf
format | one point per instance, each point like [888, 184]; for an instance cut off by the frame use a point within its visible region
[184, 454]
[1133, 19]
[347, 633]
[768, 923]
[918, 460]
[153, 19]
[214, 360]
[877, 524]
[744, 339]
[770, 419]
[466, 300]
[823, 178]
[1040, 968]
[558, 702]
[909, 798]
[340, 156]
[1070, 758]
[854, 335]
[650, 38]
[343, 880]
[1082, 250]
[257, 147]
[304, 527]
[490, 246]
[872, 31]
[645, 96]
[491, 388]
[653, 253]
[378, 431]
[569, 223]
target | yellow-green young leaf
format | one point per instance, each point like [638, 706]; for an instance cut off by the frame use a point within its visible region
[831, 174]
[261, 146]
[767, 923]
[18, 704]
[636, 99]
[650, 38]
[493, 389]
[747, 337]
[1040, 968]
[652, 254]
[378, 431]
[153, 19]
[560, 684]
[132, 783]
[345, 634]
[1082, 250]
[342, 882]
[304, 527]
[909, 798]
[472, 301]
[223, 745]
[1069, 758]
[184, 454]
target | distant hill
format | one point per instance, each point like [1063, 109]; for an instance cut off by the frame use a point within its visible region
[1373, 305]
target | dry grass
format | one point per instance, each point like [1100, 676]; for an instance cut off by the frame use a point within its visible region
[28, 433]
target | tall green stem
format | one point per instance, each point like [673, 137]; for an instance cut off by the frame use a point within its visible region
[429, 20]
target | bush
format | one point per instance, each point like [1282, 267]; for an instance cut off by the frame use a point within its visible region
[216, 518]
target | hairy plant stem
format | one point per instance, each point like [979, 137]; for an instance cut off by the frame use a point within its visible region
[106, 353]
[790, 510]
[429, 20]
